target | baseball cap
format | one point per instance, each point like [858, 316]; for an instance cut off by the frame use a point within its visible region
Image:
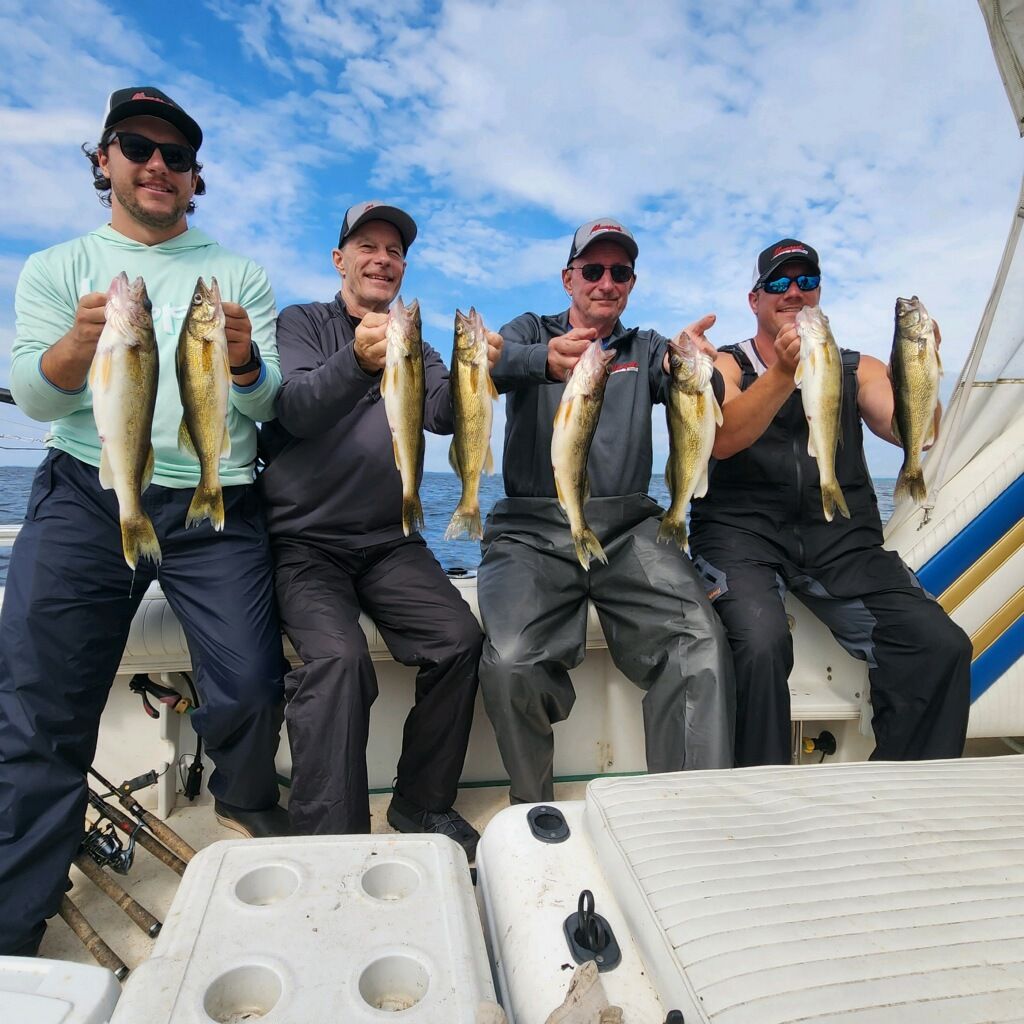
[785, 250]
[603, 227]
[146, 100]
[374, 209]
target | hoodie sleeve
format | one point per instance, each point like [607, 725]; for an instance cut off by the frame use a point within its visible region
[438, 416]
[318, 390]
[524, 355]
[44, 312]
[256, 400]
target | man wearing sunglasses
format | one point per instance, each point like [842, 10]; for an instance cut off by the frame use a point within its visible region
[532, 590]
[334, 505]
[761, 530]
[70, 597]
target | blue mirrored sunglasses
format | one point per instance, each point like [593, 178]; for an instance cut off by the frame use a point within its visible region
[780, 285]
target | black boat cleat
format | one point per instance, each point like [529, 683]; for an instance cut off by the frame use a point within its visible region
[267, 823]
[406, 817]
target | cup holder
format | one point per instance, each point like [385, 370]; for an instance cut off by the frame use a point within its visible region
[267, 885]
[391, 880]
[394, 983]
[243, 994]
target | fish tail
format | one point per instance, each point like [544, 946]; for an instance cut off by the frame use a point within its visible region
[673, 530]
[138, 540]
[911, 482]
[588, 546]
[207, 503]
[465, 523]
[412, 514]
[832, 499]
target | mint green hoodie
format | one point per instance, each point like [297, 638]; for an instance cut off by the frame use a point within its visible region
[48, 292]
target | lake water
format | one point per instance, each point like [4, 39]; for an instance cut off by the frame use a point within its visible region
[439, 495]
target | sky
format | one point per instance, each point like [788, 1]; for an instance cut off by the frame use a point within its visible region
[877, 131]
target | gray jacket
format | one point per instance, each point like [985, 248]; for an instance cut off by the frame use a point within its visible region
[330, 473]
[620, 458]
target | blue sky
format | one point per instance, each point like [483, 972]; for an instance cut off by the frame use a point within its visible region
[877, 131]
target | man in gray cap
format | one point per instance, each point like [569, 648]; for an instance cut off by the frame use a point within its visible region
[660, 628]
[334, 504]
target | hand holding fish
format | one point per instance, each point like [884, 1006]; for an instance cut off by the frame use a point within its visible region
[238, 331]
[494, 345]
[787, 349]
[90, 316]
[66, 363]
[371, 345]
[694, 335]
[564, 351]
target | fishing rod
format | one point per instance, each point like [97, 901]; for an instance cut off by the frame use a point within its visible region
[136, 833]
[136, 912]
[90, 938]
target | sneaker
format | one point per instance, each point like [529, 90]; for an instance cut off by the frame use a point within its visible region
[405, 817]
[269, 822]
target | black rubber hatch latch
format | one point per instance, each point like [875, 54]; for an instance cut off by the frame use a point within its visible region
[590, 936]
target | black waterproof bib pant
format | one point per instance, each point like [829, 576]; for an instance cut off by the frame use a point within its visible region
[761, 530]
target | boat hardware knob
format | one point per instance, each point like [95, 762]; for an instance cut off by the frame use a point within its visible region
[824, 743]
[590, 936]
[547, 824]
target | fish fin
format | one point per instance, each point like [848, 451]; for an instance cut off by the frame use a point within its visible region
[138, 540]
[453, 458]
[474, 377]
[702, 483]
[719, 418]
[587, 547]
[225, 447]
[831, 499]
[811, 450]
[564, 412]
[895, 427]
[465, 523]
[412, 514]
[106, 473]
[798, 374]
[147, 473]
[586, 488]
[386, 379]
[670, 530]
[668, 474]
[99, 372]
[185, 440]
[491, 388]
[930, 437]
[489, 461]
[938, 361]
[558, 493]
[394, 445]
[207, 503]
[911, 483]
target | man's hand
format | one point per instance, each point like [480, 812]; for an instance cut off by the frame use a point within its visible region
[66, 362]
[787, 349]
[90, 317]
[371, 345]
[564, 351]
[494, 344]
[238, 330]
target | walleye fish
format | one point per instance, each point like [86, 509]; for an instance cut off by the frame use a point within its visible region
[915, 382]
[472, 393]
[693, 416]
[404, 390]
[575, 423]
[123, 379]
[820, 376]
[204, 377]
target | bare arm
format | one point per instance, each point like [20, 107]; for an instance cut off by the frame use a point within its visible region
[65, 364]
[747, 414]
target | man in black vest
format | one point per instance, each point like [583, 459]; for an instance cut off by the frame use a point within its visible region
[761, 530]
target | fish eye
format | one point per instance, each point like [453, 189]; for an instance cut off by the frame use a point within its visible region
[196, 299]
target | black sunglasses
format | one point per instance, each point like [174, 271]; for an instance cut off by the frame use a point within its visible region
[137, 148]
[780, 285]
[621, 272]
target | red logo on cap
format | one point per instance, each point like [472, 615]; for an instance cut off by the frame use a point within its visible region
[370, 206]
[606, 227]
[146, 96]
[789, 248]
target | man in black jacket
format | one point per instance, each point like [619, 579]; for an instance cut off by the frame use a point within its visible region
[761, 530]
[334, 503]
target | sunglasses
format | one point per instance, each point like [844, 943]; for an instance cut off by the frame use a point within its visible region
[137, 148]
[780, 285]
[621, 272]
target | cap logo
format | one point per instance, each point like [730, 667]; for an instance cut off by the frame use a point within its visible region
[606, 227]
[146, 96]
[789, 248]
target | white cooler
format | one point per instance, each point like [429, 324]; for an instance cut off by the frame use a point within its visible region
[38, 991]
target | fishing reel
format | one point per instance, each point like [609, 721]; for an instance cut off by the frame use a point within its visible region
[104, 846]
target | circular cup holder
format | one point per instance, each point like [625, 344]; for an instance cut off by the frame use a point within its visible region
[394, 983]
[390, 881]
[267, 885]
[242, 994]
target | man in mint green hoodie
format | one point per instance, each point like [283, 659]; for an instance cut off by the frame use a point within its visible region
[70, 597]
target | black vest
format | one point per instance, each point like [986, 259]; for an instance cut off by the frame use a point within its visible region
[777, 477]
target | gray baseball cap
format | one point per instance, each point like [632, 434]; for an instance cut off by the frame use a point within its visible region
[374, 209]
[603, 227]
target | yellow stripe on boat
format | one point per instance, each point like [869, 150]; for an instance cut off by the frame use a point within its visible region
[998, 624]
[969, 581]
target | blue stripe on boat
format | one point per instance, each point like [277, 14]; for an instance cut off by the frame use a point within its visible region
[997, 659]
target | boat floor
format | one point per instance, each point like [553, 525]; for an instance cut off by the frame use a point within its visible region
[154, 885]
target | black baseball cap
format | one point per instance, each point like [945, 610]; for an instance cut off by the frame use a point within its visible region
[785, 250]
[603, 227]
[374, 209]
[145, 100]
